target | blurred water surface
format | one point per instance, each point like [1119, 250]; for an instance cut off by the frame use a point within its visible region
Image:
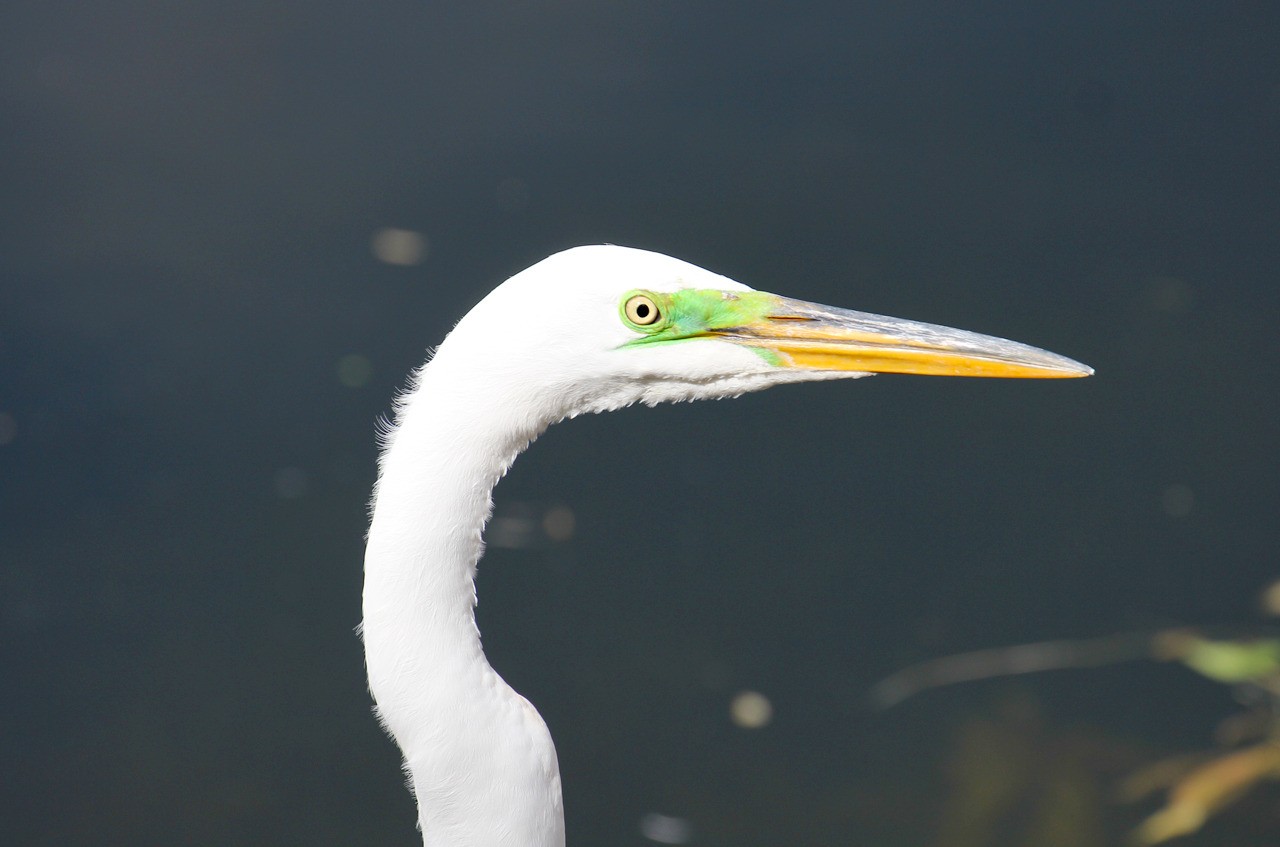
[229, 229]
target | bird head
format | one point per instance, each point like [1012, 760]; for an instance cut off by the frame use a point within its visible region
[596, 328]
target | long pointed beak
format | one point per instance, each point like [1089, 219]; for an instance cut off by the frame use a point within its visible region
[811, 336]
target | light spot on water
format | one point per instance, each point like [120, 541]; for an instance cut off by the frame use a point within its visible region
[751, 710]
[354, 370]
[665, 829]
[1177, 500]
[558, 523]
[402, 247]
[1270, 600]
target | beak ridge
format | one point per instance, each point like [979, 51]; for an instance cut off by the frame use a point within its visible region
[816, 337]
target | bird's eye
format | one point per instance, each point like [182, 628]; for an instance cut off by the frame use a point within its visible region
[641, 310]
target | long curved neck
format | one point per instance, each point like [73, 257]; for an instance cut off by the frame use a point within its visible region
[481, 760]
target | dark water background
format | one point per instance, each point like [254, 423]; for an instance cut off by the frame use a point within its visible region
[196, 340]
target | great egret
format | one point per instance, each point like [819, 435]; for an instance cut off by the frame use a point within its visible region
[586, 330]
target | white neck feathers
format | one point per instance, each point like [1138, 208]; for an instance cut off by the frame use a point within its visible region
[481, 760]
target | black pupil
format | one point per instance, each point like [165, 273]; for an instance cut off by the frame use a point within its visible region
[642, 310]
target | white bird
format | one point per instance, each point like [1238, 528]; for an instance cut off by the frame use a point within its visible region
[586, 330]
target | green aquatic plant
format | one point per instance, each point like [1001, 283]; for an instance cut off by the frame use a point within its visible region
[1197, 786]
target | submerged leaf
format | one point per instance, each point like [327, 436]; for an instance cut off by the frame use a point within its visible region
[1157, 776]
[1207, 790]
[1234, 661]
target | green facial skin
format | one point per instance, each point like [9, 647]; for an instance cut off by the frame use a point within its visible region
[700, 313]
